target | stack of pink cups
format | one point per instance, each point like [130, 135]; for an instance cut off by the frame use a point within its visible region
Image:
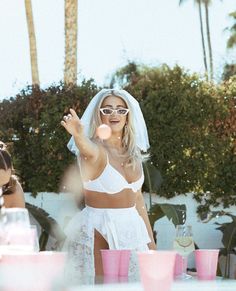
[115, 264]
[206, 263]
[181, 263]
[31, 271]
[157, 269]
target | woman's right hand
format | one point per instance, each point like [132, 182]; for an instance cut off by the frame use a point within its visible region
[72, 123]
[87, 148]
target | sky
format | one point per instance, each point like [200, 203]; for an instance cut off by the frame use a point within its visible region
[110, 33]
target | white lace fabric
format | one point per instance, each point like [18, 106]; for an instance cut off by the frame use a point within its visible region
[122, 228]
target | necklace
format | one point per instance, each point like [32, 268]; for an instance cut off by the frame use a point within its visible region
[117, 155]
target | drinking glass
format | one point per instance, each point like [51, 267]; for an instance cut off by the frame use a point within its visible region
[17, 229]
[184, 245]
[34, 238]
[17, 217]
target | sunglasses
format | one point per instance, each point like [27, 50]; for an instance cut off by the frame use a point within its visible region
[110, 111]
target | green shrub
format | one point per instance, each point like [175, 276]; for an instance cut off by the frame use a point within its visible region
[191, 124]
[188, 120]
[31, 123]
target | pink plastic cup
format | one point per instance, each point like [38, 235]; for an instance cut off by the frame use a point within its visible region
[109, 279]
[206, 264]
[31, 269]
[124, 263]
[181, 263]
[111, 262]
[157, 269]
[123, 279]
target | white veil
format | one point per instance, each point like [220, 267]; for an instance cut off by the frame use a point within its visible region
[141, 134]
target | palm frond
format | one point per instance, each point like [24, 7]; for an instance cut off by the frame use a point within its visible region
[47, 223]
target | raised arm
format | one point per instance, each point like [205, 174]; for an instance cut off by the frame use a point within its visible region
[141, 208]
[87, 148]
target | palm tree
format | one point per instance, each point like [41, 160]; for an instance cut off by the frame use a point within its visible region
[232, 39]
[198, 2]
[206, 4]
[71, 29]
[32, 43]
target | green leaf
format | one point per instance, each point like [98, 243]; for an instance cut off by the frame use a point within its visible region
[48, 224]
[153, 179]
[176, 213]
[43, 240]
[155, 212]
[229, 236]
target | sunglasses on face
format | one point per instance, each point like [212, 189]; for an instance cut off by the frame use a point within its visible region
[110, 111]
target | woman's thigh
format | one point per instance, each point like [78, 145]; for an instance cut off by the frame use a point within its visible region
[99, 243]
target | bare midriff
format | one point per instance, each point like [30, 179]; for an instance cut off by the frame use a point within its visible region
[123, 199]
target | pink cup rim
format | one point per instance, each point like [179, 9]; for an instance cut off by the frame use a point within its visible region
[108, 250]
[32, 254]
[52, 252]
[207, 250]
[121, 250]
[18, 254]
[150, 252]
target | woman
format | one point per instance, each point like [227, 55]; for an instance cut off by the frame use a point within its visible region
[10, 188]
[115, 215]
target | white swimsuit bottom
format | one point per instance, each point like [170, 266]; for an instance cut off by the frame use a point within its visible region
[122, 228]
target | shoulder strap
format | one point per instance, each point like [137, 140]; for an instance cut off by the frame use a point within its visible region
[79, 164]
[107, 158]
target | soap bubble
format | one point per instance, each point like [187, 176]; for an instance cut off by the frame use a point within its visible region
[103, 131]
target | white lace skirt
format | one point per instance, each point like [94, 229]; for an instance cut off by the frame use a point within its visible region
[123, 228]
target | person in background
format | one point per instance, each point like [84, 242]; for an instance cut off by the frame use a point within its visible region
[10, 188]
[110, 161]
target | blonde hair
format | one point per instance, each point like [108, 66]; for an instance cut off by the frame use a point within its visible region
[131, 151]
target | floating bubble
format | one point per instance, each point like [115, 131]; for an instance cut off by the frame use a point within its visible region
[103, 131]
[71, 181]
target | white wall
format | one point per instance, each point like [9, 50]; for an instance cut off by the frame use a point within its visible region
[60, 206]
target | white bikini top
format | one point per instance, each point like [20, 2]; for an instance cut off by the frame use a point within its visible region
[111, 181]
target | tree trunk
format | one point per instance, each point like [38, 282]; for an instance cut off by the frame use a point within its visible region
[71, 28]
[32, 43]
[202, 37]
[209, 39]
